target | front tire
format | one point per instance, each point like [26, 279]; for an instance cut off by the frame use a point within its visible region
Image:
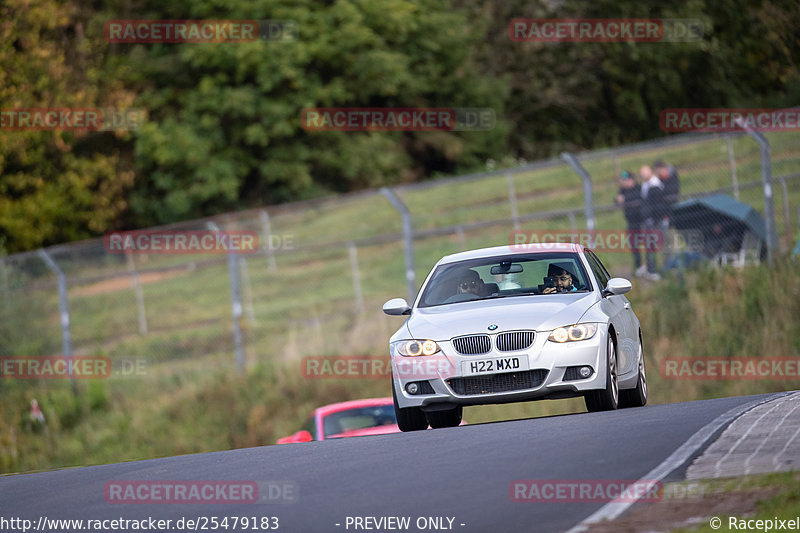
[408, 418]
[636, 397]
[445, 419]
[606, 399]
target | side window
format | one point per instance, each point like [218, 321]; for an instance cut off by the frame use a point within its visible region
[310, 426]
[602, 267]
[598, 269]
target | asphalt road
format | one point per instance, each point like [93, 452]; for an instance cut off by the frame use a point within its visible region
[462, 473]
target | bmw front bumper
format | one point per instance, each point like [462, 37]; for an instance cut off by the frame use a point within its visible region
[552, 372]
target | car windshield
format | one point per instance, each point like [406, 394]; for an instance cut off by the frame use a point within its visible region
[359, 418]
[498, 277]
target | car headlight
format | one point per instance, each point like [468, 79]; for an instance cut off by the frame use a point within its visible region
[577, 332]
[415, 347]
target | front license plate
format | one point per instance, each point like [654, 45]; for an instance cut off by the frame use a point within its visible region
[493, 366]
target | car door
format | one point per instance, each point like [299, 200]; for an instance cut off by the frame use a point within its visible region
[619, 309]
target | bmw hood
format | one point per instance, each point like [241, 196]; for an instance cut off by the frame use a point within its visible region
[539, 312]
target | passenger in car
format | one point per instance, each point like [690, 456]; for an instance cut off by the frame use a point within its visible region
[562, 278]
[470, 282]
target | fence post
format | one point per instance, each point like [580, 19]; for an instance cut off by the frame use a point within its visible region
[248, 292]
[512, 200]
[63, 308]
[353, 251]
[236, 304]
[787, 223]
[462, 238]
[732, 160]
[588, 198]
[4, 276]
[408, 242]
[266, 229]
[766, 179]
[137, 289]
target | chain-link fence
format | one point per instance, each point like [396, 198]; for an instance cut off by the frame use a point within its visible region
[324, 267]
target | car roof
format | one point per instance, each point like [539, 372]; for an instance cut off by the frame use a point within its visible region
[353, 404]
[516, 249]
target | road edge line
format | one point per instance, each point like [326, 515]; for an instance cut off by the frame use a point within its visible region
[612, 510]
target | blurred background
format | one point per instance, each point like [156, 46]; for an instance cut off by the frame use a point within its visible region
[214, 344]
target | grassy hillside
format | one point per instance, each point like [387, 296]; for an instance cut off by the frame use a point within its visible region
[196, 404]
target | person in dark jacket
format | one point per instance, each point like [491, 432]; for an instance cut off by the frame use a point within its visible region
[668, 175]
[654, 211]
[629, 198]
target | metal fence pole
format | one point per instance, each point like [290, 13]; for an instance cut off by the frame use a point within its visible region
[462, 238]
[787, 223]
[248, 292]
[766, 179]
[588, 197]
[353, 251]
[408, 242]
[512, 200]
[266, 229]
[63, 308]
[4, 277]
[732, 160]
[137, 289]
[236, 304]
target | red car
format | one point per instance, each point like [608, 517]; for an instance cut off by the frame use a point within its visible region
[355, 418]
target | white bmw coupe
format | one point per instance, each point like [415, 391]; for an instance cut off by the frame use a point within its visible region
[515, 323]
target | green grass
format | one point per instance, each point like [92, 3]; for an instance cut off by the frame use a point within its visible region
[187, 401]
[307, 307]
[785, 505]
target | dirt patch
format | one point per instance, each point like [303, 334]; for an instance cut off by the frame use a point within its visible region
[669, 514]
[123, 283]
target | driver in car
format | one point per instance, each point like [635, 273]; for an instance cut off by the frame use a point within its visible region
[562, 279]
[470, 282]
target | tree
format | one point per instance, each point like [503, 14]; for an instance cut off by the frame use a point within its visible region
[56, 185]
[226, 130]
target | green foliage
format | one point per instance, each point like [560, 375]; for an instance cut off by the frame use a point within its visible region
[224, 119]
[588, 95]
[55, 186]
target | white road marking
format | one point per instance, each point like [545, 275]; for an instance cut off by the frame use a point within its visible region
[785, 447]
[763, 442]
[612, 510]
[740, 440]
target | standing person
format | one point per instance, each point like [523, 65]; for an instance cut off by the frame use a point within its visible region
[654, 209]
[668, 175]
[629, 198]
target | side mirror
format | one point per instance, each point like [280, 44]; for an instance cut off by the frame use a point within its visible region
[303, 436]
[617, 286]
[300, 436]
[396, 307]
